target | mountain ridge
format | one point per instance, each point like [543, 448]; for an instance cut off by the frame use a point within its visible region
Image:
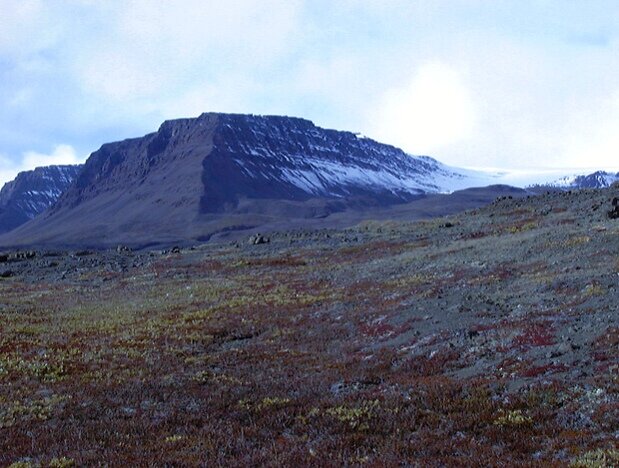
[180, 182]
[594, 180]
[32, 192]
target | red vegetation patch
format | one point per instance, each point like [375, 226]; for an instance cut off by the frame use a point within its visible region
[378, 330]
[536, 334]
[285, 261]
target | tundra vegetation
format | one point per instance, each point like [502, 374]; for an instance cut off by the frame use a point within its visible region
[490, 338]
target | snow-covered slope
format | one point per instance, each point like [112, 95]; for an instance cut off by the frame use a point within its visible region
[32, 192]
[599, 179]
[286, 157]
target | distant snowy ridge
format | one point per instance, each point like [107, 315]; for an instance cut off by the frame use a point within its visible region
[598, 179]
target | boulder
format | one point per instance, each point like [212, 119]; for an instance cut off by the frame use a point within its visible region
[258, 239]
[614, 213]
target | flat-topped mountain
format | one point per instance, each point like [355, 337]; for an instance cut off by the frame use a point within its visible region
[180, 182]
[33, 192]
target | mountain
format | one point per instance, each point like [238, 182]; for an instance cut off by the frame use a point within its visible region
[598, 179]
[219, 172]
[32, 192]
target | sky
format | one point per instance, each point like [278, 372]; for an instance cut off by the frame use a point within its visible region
[518, 85]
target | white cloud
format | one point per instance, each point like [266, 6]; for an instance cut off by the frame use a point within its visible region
[596, 141]
[61, 154]
[159, 48]
[25, 27]
[432, 111]
[334, 75]
[126, 78]
[516, 86]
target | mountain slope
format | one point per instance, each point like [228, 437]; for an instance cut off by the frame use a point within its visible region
[196, 176]
[286, 158]
[32, 192]
[598, 179]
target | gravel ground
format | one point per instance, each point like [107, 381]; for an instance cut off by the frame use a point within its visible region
[330, 341]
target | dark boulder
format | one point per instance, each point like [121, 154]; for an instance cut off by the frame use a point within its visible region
[614, 213]
[258, 239]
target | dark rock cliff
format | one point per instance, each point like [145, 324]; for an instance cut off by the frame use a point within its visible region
[33, 192]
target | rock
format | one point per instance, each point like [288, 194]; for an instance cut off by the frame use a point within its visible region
[258, 239]
[128, 412]
[83, 253]
[7, 274]
[25, 255]
[123, 249]
[337, 388]
[614, 213]
[563, 348]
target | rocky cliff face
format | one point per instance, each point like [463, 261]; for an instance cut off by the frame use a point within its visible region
[165, 185]
[290, 158]
[257, 157]
[33, 192]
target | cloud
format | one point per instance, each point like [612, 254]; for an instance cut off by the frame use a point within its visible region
[593, 136]
[433, 110]
[61, 154]
[158, 48]
[509, 84]
[26, 28]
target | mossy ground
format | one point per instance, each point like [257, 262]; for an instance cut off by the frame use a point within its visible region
[493, 342]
